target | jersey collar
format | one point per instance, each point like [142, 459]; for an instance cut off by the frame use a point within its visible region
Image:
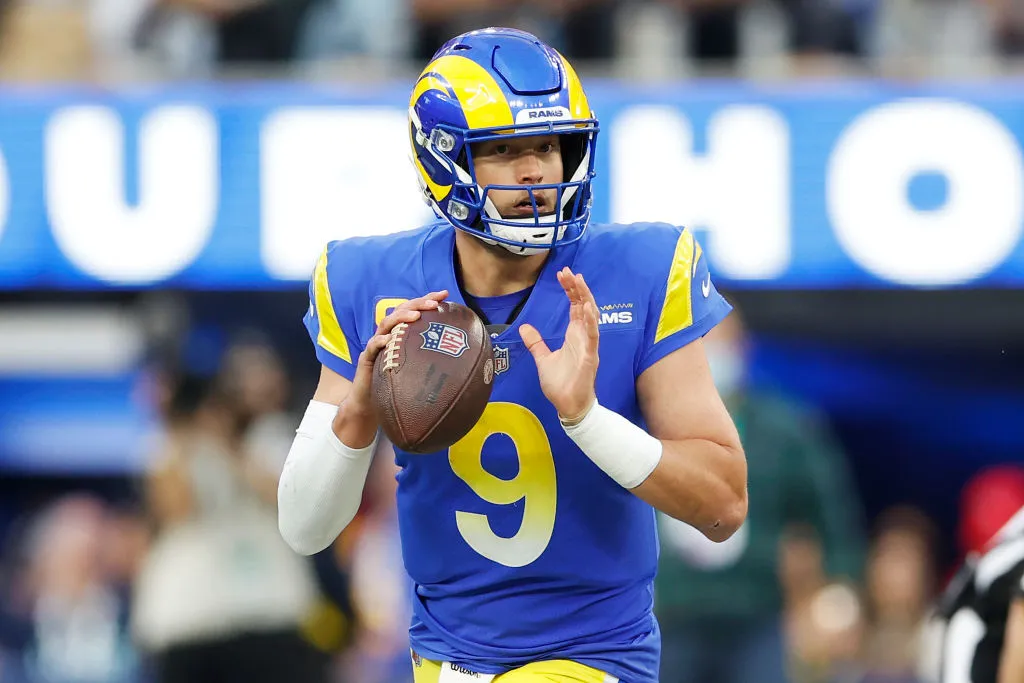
[439, 273]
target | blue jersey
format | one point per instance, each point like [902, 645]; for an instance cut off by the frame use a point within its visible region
[518, 546]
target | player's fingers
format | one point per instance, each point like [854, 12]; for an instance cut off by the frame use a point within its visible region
[423, 303]
[364, 367]
[427, 302]
[402, 314]
[584, 290]
[374, 347]
[566, 280]
[409, 311]
[363, 380]
[574, 286]
[534, 342]
[590, 319]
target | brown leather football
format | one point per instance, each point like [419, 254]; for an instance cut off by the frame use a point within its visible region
[433, 380]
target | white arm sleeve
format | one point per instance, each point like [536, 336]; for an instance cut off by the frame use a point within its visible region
[322, 482]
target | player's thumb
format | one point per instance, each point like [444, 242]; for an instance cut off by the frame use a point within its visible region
[534, 342]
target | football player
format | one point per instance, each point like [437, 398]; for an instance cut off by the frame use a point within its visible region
[531, 543]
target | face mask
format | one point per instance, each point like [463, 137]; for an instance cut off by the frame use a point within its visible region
[728, 368]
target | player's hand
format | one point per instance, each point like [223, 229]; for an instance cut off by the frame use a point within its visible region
[356, 425]
[567, 375]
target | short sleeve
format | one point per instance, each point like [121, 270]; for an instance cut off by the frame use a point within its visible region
[330, 318]
[684, 303]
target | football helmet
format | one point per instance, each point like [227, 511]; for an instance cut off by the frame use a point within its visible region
[498, 83]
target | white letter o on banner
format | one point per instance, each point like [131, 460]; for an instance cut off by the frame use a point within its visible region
[878, 155]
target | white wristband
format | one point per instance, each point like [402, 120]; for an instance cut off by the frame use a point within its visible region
[624, 451]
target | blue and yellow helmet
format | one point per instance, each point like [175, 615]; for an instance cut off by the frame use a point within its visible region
[497, 83]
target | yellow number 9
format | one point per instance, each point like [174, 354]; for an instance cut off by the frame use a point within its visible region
[534, 485]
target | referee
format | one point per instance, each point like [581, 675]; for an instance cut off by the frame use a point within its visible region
[984, 610]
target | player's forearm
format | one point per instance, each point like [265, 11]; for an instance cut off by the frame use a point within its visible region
[1011, 666]
[321, 485]
[698, 481]
[701, 483]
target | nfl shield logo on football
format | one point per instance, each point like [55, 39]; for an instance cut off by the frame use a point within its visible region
[446, 339]
[500, 360]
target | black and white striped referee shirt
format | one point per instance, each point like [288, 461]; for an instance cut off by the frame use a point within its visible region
[976, 606]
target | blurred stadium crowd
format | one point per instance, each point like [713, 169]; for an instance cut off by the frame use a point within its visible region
[75, 39]
[178, 571]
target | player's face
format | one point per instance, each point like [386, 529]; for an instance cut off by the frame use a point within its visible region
[534, 160]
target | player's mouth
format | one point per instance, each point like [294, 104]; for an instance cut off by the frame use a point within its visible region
[524, 207]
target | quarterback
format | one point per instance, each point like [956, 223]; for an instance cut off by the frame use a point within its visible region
[530, 543]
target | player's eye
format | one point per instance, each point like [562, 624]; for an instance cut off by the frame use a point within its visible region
[546, 148]
[502, 149]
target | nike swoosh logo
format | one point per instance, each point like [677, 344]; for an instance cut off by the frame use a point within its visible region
[705, 287]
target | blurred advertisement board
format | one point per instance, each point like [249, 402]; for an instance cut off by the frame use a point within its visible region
[233, 186]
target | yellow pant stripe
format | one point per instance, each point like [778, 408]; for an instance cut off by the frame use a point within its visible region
[555, 671]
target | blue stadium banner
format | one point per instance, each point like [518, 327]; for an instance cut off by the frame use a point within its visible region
[227, 186]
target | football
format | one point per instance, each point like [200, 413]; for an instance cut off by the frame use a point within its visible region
[432, 381]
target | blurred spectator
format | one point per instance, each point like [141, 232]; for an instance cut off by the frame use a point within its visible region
[835, 636]
[826, 632]
[587, 28]
[718, 31]
[192, 36]
[721, 605]
[712, 29]
[828, 27]
[253, 375]
[220, 596]
[932, 36]
[900, 586]
[379, 29]
[253, 378]
[581, 29]
[252, 31]
[1007, 17]
[44, 40]
[436, 21]
[70, 599]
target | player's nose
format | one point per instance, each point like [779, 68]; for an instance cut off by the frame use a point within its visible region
[528, 170]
